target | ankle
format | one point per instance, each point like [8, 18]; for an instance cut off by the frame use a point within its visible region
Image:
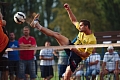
[38, 26]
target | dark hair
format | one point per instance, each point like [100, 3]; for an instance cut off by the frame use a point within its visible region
[26, 27]
[86, 22]
[48, 41]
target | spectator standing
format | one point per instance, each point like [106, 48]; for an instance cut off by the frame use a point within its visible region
[93, 65]
[62, 63]
[110, 63]
[13, 57]
[27, 56]
[46, 63]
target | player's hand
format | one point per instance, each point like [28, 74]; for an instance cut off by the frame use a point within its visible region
[66, 6]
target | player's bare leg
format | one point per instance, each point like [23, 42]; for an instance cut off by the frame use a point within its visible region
[62, 40]
[68, 73]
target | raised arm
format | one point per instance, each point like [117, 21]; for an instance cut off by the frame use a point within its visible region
[70, 13]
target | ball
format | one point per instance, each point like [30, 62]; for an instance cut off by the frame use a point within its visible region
[19, 17]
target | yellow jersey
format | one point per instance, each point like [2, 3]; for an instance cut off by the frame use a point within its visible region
[84, 39]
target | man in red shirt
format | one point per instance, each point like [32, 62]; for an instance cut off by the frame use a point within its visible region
[27, 56]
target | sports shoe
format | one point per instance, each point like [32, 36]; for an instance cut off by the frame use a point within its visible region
[35, 20]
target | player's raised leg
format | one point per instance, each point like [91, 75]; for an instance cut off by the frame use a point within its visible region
[62, 40]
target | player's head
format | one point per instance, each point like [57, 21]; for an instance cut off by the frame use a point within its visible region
[26, 31]
[84, 24]
[11, 36]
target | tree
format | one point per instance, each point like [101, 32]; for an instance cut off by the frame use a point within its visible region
[111, 13]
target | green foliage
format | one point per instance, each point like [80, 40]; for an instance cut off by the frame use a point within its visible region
[103, 15]
[111, 9]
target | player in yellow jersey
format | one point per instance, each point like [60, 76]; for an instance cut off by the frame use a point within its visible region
[3, 36]
[85, 36]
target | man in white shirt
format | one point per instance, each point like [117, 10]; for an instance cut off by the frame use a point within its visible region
[110, 63]
[46, 62]
[92, 65]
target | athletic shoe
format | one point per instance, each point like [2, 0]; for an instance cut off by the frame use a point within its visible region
[35, 20]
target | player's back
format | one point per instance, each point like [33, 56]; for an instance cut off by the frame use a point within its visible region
[3, 38]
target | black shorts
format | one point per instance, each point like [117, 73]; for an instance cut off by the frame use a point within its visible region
[4, 64]
[13, 67]
[1, 53]
[73, 59]
[46, 71]
[27, 69]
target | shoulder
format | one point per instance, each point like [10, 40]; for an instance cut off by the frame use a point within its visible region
[115, 52]
[106, 53]
[21, 37]
[16, 41]
[43, 50]
[97, 54]
[77, 25]
[92, 37]
[31, 37]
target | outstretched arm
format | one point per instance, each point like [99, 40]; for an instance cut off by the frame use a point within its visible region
[70, 13]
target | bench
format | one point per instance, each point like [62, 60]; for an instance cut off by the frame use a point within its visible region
[112, 36]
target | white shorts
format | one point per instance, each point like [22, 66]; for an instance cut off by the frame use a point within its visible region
[79, 73]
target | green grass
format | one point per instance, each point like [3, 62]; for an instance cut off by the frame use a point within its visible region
[56, 74]
[54, 78]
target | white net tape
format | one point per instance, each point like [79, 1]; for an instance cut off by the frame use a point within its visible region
[66, 47]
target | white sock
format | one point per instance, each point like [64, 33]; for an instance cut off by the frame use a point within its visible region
[37, 25]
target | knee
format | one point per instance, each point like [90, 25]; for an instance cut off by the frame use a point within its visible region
[101, 73]
[116, 72]
[95, 72]
[51, 76]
